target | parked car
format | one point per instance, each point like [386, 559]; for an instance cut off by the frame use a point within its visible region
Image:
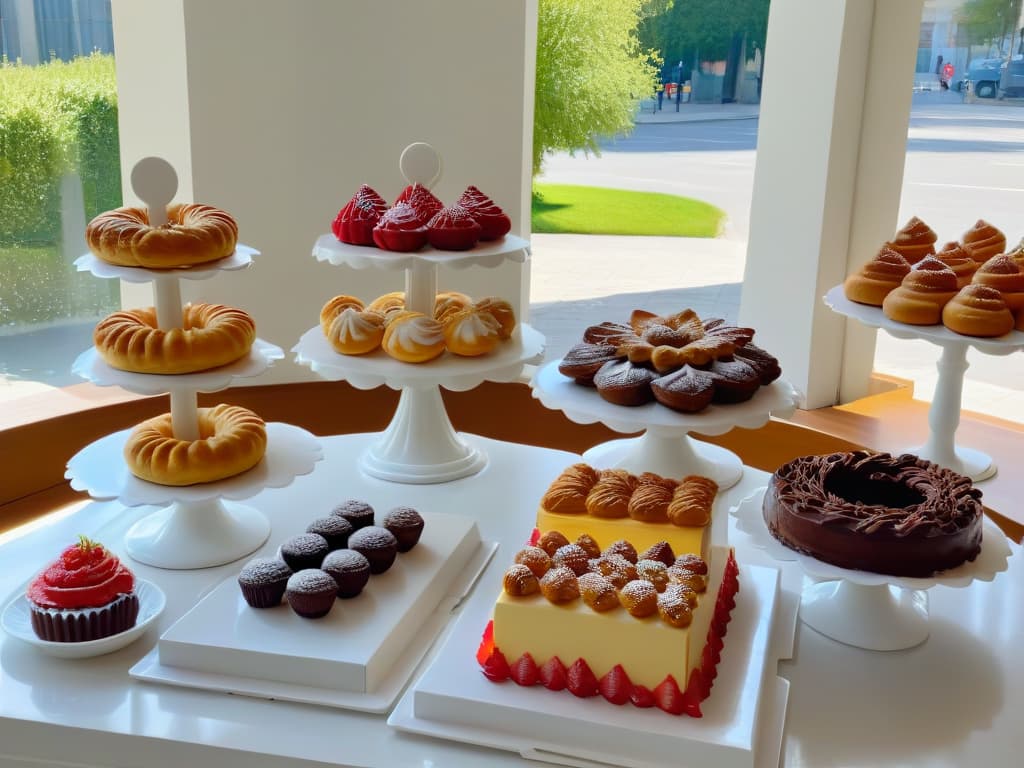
[1011, 83]
[984, 75]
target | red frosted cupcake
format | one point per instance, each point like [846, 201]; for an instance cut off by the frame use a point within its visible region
[493, 221]
[86, 594]
[453, 229]
[422, 201]
[355, 222]
[400, 229]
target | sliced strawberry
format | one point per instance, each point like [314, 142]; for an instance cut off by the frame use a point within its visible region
[524, 671]
[668, 697]
[486, 644]
[581, 680]
[534, 537]
[642, 697]
[616, 686]
[496, 668]
[552, 674]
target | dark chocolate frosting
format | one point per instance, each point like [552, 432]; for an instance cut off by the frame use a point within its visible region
[898, 515]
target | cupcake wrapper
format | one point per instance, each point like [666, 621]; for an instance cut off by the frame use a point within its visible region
[84, 624]
[264, 595]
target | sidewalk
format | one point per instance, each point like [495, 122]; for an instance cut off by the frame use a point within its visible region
[694, 113]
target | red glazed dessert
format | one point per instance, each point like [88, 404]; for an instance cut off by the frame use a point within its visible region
[453, 229]
[422, 200]
[355, 222]
[86, 594]
[493, 221]
[400, 229]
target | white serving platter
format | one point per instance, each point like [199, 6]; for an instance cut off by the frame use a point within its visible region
[359, 656]
[741, 727]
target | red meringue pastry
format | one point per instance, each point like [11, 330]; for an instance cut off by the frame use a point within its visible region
[355, 222]
[400, 229]
[453, 229]
[493, 221]
[422, 200]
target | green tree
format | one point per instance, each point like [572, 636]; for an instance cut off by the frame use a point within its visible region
[590, 72]
[990, 21]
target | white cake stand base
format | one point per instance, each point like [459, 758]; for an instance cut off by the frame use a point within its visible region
[880, 618]
[669, 457]
[200, 534]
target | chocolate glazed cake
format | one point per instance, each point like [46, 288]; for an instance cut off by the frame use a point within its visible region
[897, 515]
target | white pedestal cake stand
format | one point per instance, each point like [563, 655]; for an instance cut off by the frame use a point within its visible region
[420, 445]
[665, 448]
[944, 413]
[868, 610]
[194, 528]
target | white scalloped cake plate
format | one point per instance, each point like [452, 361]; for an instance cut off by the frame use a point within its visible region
[584, 405]
[91, 367]
[491, 254]
[17, 622]
[100, 470]
[995, 552]
[240, 259]
[836, 300]
[449, 371]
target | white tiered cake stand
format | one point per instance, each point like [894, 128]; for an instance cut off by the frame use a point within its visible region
[420, 445]
[944, 413]
[868, 610]
[665, 447]
[194, 527]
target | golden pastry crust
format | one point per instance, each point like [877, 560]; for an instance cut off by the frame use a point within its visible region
[567, 495]
[1002, 273]
[231, 440]
[447, 303]
[502, 312]
[412, 337]
[520, 581]
[978, 310]
[211, 335]
[649, 502]
[983, 241]
[610, 496]
[692, 501]
[194, 234]
[877, 278]
[914, 241]
[924, 292]
[387, 303]
[471, 333]
[350, 329]
[957, 259]
[559, 585]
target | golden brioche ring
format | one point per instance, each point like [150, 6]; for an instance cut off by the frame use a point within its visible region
[231, 440]
[194, 234]
[349, 328]
[211, 335]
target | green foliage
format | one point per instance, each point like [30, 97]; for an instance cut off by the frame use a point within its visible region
[703, 30]
[564, 208]
[988, 21]
[590, 72]
[55, 118]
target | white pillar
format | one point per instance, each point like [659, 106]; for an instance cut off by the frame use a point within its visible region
[277, 112]
[830, 159]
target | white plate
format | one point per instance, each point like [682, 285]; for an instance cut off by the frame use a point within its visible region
[17, 622]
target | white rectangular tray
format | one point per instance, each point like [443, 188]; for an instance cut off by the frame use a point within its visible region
[741, 727]
[359, 656]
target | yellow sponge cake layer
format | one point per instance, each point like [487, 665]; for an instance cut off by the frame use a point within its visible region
[641, 535]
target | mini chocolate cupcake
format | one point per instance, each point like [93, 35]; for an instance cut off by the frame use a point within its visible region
[406, 525]
[334, 528]
[311, 593]
[376, 544]
[263, 581]
[307, 550]
[350, 570]
[358, 513]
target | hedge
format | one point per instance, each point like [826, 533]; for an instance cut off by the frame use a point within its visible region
[56, 118]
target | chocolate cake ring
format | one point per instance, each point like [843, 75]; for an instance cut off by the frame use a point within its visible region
[897, 515]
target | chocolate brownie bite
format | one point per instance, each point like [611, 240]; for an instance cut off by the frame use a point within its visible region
[406, 524]
[358, 513]
[334, 528]
[378, 545]
[350, 571]
[263, 581]
[311, 593]
[307, 550]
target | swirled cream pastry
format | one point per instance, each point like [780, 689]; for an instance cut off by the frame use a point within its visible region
[876, 278]
[915, 241]
[471, 333]
[412, 337]
[983, 241]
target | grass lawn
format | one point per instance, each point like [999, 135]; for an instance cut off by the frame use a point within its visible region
[567, 209]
